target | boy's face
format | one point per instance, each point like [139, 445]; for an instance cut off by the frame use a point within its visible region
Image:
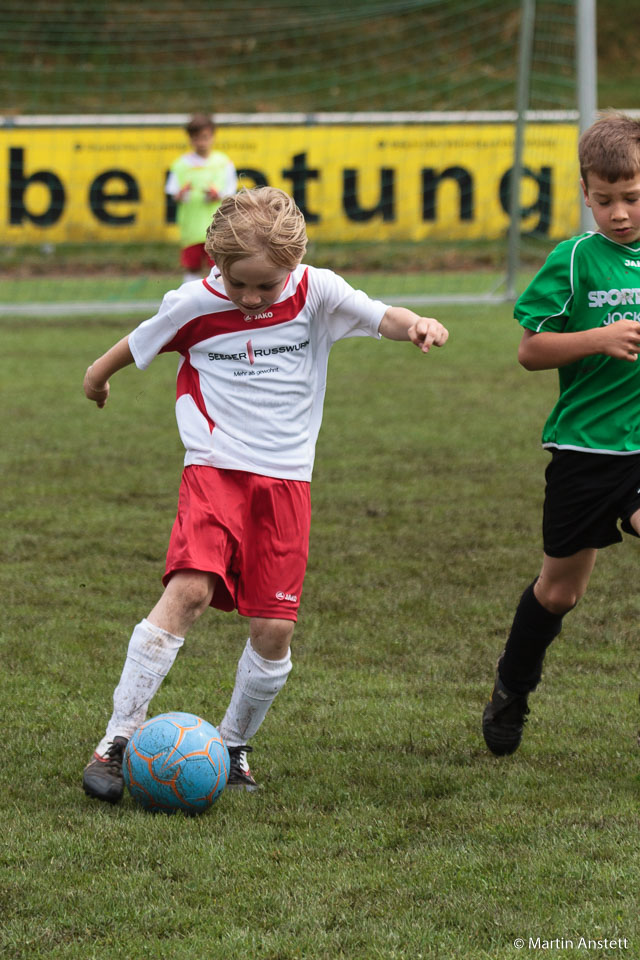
[202, 141]
[254, 283]
[615, 207]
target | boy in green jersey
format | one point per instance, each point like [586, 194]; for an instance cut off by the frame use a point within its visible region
[198, 182]
[581, 314]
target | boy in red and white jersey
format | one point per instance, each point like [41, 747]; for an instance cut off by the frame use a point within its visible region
[254, 340]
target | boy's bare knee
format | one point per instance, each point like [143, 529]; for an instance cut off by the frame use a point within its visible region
[563, 581]
[558, 598]
[195, 601]
[195, 591]
[186, 596]
[561, 605]
[271, 638]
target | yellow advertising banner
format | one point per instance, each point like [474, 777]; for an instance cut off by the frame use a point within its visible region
[353, 182]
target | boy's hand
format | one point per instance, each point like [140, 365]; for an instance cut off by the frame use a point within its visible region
[427, 332]
[621, 340]
[211, 194]
[95, 391]
[182, 192]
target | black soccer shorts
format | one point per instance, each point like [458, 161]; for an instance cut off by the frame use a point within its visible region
[587, 495]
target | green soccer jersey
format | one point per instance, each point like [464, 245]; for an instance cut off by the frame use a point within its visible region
[195, 211]
[589, 281]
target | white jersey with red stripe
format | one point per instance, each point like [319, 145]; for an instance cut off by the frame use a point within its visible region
[250, 389]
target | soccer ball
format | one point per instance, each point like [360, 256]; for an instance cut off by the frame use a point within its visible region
[176, 761]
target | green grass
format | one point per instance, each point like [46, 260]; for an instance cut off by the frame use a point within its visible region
[115, 274]
[383, 830]
[109, 291]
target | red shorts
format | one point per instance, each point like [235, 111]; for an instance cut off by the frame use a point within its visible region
[252, 531]
[192, 258]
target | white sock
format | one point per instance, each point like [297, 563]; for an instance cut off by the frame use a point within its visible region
[258, 681]
[149, 658]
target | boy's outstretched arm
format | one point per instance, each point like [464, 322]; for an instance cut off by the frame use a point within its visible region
[398, 323]
[96, 379]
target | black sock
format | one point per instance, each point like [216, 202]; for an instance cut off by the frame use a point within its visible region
[533, 629]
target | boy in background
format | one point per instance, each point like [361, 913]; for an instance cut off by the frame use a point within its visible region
[581, 314]
[254, 341]
[198, 181]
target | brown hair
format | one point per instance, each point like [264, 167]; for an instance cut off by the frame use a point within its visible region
[610, 148]
[262, 220]
[198, 122]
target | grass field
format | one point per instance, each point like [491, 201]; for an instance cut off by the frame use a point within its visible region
[384, 830]
[117, 274]
[111, 293]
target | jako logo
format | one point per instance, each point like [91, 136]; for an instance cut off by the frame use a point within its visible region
[291, 597]
[259, 316]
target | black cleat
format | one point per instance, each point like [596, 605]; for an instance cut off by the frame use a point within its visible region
[240, 777]
[102, 777]
[503, 719]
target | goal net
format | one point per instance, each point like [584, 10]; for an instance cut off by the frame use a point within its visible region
[391, 123]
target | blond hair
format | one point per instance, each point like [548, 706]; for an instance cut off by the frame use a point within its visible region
[610, 148]
[263, 220]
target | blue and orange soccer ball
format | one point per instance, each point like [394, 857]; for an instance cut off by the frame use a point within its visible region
[176, 761]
